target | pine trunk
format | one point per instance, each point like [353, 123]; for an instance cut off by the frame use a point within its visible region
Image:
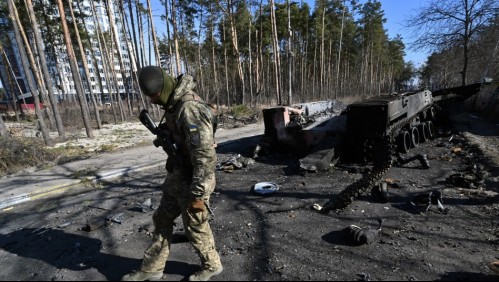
[45, 71]
[85, 67]
[75, 72]
[26, 66]
[175, 39]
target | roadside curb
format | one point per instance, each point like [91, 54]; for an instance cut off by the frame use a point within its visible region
[38, 194]
[57, 181]
[124, 171]
[50, 191]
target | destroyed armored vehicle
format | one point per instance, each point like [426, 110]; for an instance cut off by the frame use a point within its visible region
[372, 131]
[406, 118]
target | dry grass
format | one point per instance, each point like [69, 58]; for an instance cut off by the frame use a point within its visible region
[26, 150]
[18, 153]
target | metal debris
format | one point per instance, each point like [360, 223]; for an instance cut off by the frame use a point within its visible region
[235, 162]
[117, 218]
[317, 207]
[423, 159]
[145, 206]
[322, 157]
[300, 127]
[474, 178]
[422, 202]
[358, 236]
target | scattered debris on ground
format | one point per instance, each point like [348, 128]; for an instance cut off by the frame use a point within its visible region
[278, 236]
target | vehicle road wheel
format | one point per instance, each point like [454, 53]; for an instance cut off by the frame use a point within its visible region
[431, 129]
[404, 141]
[423, 132]
[414, 137]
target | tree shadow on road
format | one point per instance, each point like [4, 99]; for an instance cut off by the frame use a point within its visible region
[243, 146]
[64, 250]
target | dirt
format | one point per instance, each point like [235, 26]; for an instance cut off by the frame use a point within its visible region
[278, 236]
[109, 137]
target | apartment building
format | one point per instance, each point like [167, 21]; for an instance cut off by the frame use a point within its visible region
[100, 79]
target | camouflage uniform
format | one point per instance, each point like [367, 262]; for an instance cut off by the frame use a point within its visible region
[189, 123]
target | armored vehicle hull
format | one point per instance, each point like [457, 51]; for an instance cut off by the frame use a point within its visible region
[406, 119]
[371, 132]
[380, 127]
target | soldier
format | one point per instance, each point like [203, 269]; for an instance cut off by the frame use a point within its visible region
[188, 185]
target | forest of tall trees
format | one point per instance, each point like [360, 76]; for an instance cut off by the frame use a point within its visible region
[464, 38]
[240, 52]
[245, 52]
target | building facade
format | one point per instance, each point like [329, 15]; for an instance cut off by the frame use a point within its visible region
[104, 78]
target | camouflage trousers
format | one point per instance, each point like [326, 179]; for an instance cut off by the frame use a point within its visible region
[174, 203]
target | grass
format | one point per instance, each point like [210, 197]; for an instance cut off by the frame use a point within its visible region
[108, 148]
[120, 132]
[19, 153]
[22, 153]
[89, 183]
[84, 173]
[239, 111]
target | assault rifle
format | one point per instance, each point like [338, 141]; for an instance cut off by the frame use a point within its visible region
[174, 158]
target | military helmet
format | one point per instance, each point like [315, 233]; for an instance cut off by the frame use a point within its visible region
[151, 80]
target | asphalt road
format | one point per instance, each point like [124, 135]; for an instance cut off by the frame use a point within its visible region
[36, 184]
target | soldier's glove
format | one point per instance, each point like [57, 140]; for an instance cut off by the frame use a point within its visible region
[196, 206]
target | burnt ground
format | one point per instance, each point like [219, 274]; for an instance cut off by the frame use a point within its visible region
[277, 236]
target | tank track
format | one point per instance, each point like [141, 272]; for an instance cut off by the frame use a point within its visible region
[383, 154]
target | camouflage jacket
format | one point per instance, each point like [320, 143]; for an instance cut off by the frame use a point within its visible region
[191, 125]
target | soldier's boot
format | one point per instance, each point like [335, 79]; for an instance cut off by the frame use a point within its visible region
[143, 276]
[205, 274]
[494, 267]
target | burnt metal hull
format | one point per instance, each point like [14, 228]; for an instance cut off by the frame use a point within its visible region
[370, 131]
